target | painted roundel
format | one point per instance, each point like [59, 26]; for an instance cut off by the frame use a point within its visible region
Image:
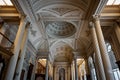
[60, 29]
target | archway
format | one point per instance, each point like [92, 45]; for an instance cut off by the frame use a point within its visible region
[62, 74]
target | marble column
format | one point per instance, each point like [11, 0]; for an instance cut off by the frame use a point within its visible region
[17, 43]
[104, 53]
[22, 54]
[46, 72]
[71, 72]
[117, 31]
[36, 64]
[85, 77]
[68, 71]
[76, 68]
[53, 72]
[99, 62]
[87, 68]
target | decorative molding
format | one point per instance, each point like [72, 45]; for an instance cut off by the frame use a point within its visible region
[18, 6]
[60, 29]
[101, 5]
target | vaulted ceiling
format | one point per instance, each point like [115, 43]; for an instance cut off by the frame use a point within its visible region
[60, 27]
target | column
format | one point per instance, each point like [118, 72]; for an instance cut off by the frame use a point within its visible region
[53, 72]
[22, 54]
[69, 71]
[46, 72]
[87, 69]
[76, 68]
[36, 65]
[84, 73]
[117, 31]
[72, 72]
[104, 54]
[99, 62]
[80, 73]
[17, 42]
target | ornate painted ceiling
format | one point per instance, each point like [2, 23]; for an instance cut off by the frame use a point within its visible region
[59, 27]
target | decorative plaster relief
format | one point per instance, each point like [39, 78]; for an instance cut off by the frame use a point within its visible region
[60, 29]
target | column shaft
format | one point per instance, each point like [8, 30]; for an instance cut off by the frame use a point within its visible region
[87, 69]
[46, 72]
[72, 71]
[76, 69]
[97, 53]
[117, 30]
[17, 42]
[22, 54]
[104, 54]
[85, 78]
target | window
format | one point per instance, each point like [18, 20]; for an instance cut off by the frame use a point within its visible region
[5, 3]
[113, 2]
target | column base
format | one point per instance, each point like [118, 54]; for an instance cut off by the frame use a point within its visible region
[118, 63]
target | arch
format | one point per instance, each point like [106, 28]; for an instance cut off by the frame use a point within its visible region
[59, 42]
[62, 49]
[57, 3]
[61, 74]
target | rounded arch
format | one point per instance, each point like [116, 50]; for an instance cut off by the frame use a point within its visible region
[61, 74]
[60, 42]
[61, 49]
[54, 3]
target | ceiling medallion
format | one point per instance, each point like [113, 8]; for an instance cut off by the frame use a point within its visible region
[60, 29]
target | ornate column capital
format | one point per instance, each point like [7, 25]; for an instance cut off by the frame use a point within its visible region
[75, 55]
[28, 25]
[96, 17]
[91, 24]
[25, 19]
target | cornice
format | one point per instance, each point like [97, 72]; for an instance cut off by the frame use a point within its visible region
[18, 6]
[100, 7]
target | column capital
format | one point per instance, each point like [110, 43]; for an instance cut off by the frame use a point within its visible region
[96, 17]
[74, 55]
[28, 25]
[91, 24]
[25, 19]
